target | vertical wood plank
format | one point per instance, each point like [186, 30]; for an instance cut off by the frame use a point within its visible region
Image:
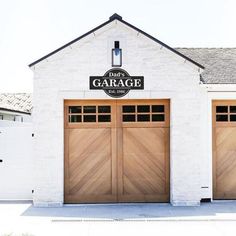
[114, 149]
[66, 163]
[213, 107]
[167, 161]
[119, 150]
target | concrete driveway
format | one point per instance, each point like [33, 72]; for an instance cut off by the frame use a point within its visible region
[218, 218]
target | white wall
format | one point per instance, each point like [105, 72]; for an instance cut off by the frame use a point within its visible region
[166, 75]
[11, 116]
[16, 170]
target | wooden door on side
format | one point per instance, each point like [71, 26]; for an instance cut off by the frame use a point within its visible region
[143, 155]
[90, 155]
[224, 149]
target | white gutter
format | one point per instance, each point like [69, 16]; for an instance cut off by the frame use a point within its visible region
[2, 111]
[219, 87]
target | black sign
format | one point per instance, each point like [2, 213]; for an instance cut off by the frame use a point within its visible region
[116, 82]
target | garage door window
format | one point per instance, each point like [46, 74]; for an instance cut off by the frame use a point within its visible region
[89, 114]
[143, 113]
[225, 113]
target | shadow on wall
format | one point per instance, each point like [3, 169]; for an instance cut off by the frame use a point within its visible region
[134, 211]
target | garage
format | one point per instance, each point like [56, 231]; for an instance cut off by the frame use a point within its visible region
[224, 149]
[116, 150]
[102, 113]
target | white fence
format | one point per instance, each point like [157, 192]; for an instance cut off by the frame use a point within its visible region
[16, 160]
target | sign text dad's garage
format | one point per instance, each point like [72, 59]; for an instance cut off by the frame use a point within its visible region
[116, 82]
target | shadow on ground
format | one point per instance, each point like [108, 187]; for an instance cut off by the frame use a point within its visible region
[134, 211]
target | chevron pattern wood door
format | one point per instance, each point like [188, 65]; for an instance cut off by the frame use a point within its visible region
[224, 150]
[145, 165]
[90, 166]
[225, 163]
[90, 152]
[113, 160]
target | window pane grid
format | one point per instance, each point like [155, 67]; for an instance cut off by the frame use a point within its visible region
[130, 113]
[226, 113]
[89, 114]
[143, 113]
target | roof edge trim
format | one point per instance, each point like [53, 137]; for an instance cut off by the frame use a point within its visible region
[119, 18]
[16, 111]
[68, 44]
[163, 44]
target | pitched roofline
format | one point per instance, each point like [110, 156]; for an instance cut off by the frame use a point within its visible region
[71, 42]
[15, 111]
[163, 44]
[119, 18]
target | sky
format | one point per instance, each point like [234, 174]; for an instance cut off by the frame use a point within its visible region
[30, 29]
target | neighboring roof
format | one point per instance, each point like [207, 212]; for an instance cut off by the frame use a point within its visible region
[16, 102]
[119, 18]
[219, 63]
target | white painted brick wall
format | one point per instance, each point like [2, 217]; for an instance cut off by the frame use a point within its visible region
[66, 75]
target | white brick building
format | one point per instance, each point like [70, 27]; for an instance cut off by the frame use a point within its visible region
[154, 144]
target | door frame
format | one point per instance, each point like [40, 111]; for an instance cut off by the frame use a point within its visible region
[117, 132]
[214, 103]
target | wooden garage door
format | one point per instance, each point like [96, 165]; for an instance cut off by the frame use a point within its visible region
[143, 154]
[117, 151]
[224, 149]
[90, 152]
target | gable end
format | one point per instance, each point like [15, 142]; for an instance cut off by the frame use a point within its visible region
[119, 18]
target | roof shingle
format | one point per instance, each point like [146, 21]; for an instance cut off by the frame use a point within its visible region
[219, 63]
[16, 101]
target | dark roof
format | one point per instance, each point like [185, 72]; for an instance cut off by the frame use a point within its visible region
[119, 18]
[219, 63]
[16, 102]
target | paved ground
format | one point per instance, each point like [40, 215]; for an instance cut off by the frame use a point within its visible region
[218, 218]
